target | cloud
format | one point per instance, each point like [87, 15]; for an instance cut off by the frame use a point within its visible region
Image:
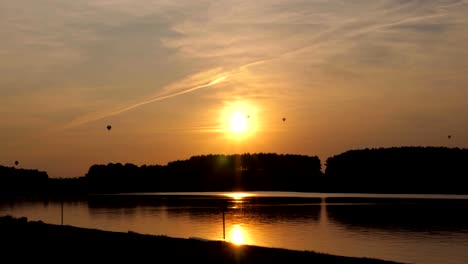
[246, 31]
[103, 41]
[190, 84]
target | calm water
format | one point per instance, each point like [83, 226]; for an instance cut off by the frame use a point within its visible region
[406, 228]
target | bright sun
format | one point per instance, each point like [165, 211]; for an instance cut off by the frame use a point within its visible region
[238, 122]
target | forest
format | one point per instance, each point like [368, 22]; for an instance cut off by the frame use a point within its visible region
[379, 170]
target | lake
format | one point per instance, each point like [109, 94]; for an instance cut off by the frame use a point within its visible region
[405, 228]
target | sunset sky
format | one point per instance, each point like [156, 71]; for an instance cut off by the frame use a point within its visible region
[177, 78]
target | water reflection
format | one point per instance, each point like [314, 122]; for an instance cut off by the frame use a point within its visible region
[406, 230]
[384, 214]
[401, 215]
[239, 236]
[237, 195]
[199, 207]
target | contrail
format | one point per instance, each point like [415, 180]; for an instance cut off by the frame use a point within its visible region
[165, 93]
[224, 76]
[159, 98]
[95, 117]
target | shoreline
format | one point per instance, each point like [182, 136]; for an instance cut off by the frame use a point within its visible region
[88, 244]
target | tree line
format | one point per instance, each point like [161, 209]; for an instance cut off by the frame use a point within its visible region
[22, 181]
[379, 170]
[401, 170]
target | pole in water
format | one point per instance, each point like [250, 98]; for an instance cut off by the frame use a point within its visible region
[224, 208]
[224, 227]
[61, 205]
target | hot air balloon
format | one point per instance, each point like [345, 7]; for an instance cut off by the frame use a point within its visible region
[284, 119]
[16, 163]
[449, 136]
[109, 127]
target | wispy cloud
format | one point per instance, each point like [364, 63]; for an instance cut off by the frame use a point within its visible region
[243, 40]
[188, 85]
[69, 63]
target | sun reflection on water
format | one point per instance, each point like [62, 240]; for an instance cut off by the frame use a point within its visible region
[238, 195]
[239, 236]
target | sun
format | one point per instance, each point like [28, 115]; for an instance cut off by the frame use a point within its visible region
[238, 122]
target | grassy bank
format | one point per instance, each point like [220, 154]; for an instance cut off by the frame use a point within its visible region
[23, 240]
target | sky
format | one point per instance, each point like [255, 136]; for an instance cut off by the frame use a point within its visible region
[181, 78]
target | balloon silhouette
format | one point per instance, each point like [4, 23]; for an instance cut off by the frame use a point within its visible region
[449, 136]
[284, 119]
[16, 163]
[109, 127]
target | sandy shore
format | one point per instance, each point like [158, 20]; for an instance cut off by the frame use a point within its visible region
[23, 240]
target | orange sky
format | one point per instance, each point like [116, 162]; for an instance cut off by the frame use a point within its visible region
[169, 76]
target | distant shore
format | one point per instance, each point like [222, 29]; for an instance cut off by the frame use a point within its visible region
[398, 170]
[53, 243]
